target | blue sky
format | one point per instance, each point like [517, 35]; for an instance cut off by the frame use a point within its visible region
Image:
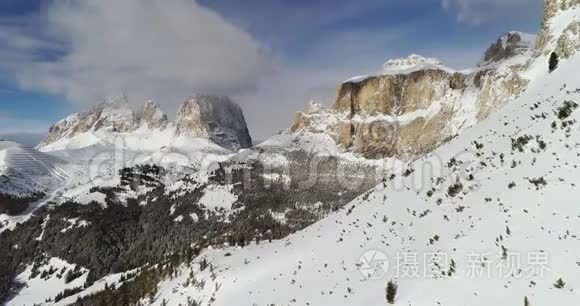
[59, 56]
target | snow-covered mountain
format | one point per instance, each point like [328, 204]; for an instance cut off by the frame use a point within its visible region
[414, 104]
[23, 170]
[88, 150]
[510, 45]
[487, 218]
[217, 119]
[149, 211]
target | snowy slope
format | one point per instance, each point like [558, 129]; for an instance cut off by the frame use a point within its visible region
[69, 174]
[23, 170]
[54, 281]
[504, 209]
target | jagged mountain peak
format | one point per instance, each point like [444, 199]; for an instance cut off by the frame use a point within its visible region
[152, 116]
[508, 46]
[216, 118]
[114, 113]
[189, 119]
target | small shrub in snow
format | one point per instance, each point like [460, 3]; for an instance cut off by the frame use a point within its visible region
[452, 268]
[566, 110]
[538, 182]
[560, 283]
[520, 142]
[455, 189]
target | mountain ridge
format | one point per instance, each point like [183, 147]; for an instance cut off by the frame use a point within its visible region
[415, 104]
[215, 118]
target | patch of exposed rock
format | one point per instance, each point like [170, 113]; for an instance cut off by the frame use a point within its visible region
[564, 41]
[152, 116]
[508, 46]
[406, 113]
[113, 114]
[215, 118]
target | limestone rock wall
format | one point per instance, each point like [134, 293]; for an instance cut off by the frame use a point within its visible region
[406, 115]
[567, 41]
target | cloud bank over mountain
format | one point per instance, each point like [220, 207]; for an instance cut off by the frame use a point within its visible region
[146, 49]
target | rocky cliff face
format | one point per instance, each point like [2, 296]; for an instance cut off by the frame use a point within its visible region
[414, 104]
[215, 118]
[564, 36]
[508, 46]
[113, 114]
[152, 116]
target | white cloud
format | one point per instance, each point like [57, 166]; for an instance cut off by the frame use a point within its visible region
[147, 49]
[481, 11]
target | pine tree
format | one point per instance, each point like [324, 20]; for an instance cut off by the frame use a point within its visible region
[560, 283]
[553, 61]
[391, 292]
[452, 268]
[526, 301]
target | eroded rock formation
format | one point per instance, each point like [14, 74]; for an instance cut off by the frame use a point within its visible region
[215, 118]
[415, 104]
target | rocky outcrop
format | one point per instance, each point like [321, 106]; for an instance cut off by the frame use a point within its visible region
[508, 46]
[113, 114]
[215, 118]
[569, 41]
[152, 116]
[189, 120]
[562, 38]
[414, 104]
